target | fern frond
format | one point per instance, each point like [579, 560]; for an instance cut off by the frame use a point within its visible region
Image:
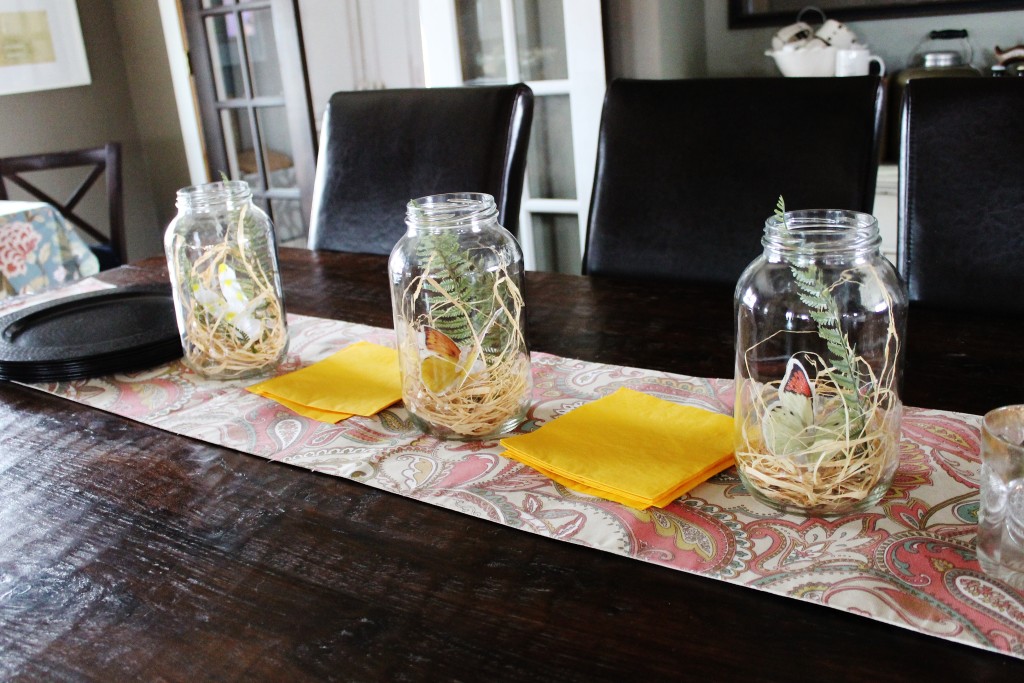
[452, 274]
[832, 336]
[824, 311]
[839, 359]
[813, 302]
[807, 277]
[821, 317]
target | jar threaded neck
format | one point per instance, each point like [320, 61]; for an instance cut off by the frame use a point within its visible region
[814, 232]
[451, 210]
[211, 196]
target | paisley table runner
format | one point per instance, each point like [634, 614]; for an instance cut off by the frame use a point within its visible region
[909, 561]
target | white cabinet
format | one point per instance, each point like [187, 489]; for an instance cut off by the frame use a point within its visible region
[360, 45]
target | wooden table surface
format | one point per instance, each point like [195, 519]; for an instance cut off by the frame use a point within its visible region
[128, 553]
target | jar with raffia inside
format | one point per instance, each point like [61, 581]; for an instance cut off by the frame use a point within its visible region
[222, 260]
[457, 298]
[820, 320]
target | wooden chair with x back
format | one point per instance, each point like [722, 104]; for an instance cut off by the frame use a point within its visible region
[110, 247]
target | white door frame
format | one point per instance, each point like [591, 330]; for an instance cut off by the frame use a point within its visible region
[584, 44]
[181, 79]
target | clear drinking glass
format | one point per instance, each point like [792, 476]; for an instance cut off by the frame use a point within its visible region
[1001, 517]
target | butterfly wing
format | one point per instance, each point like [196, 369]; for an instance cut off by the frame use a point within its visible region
[440, 367]
[440, 343]
[796, 380]
[788, 421]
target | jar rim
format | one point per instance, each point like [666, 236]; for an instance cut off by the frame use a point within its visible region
[451, 209]
[816, 231]
[221, 190]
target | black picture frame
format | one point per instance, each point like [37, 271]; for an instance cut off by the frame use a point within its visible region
[756, 13]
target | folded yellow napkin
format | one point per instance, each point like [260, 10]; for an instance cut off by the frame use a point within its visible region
[629, 447]
[361, 379]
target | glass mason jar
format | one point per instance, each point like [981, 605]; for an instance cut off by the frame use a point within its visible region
[222, 259]
[457, 298]
[820, 320]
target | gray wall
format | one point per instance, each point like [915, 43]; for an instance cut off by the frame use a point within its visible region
[129, 100]
[655, 38]
[740, 52]
[692, 38]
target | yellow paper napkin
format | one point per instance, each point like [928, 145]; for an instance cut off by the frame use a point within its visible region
[361, 379]
[629, 447]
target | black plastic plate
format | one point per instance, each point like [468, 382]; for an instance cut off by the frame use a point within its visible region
[121, 329]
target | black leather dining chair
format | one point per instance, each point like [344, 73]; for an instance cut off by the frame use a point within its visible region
[961, 202]
[688, 170]
[110, 246]
[381, 148]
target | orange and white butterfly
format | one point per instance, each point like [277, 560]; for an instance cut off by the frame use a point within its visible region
[443, 363]
[792, 425]
[796, 380]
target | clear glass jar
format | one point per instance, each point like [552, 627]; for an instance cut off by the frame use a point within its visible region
[457, 297]
[222, 259]
[820, 320]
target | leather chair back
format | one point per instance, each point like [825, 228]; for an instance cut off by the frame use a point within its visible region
[689, 170]
[381, 148]
[961, 205]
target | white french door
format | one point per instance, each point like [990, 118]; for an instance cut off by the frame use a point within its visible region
[556, 47]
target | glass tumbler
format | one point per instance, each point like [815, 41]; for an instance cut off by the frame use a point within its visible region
[1001, 517]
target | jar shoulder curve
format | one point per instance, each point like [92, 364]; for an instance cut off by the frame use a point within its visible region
[490, 245]
[893, 279]
[773, 289]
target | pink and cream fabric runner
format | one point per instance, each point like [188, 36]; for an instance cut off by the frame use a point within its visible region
[910, 561]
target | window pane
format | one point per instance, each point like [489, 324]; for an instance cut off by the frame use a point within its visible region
[225, 51]
[277, 146]
[481, 44]
[556, 243]
[540, 34]
[237, 129]
[550, 164]
[260, 42]
[288, 223]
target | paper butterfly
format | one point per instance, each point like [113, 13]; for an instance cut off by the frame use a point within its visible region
[443, 364]
[440, 343]
[792, 424]
[796, 380]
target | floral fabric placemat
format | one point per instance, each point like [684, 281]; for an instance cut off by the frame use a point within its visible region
[39, 250]
[909, 561]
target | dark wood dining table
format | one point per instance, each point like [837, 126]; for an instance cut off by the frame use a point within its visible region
[129, 553]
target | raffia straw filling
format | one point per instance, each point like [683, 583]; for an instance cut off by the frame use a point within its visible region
[212, 342]
[482, 401]
[845, 467]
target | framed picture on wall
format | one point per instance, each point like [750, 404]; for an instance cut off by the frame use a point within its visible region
[41, 46]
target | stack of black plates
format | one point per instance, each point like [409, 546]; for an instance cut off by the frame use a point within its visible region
[117, 330]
